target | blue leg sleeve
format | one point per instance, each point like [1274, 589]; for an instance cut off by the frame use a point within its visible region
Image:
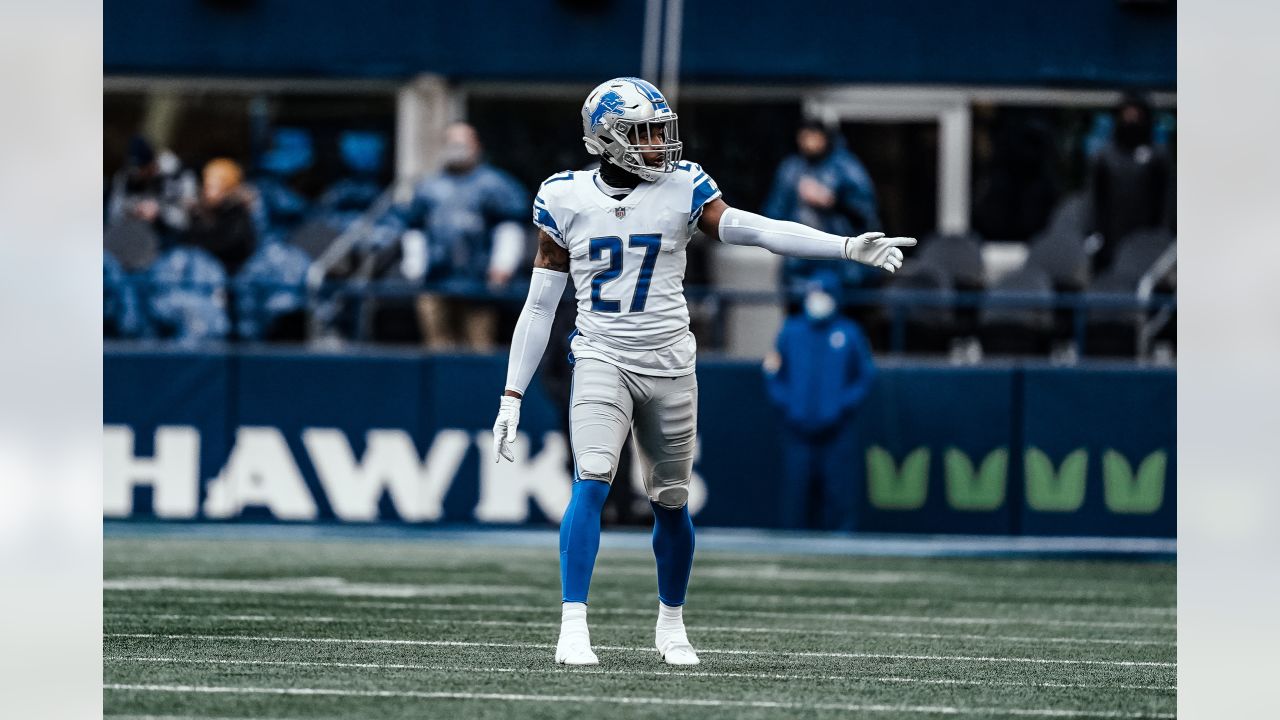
[673, 549]
[580, 538]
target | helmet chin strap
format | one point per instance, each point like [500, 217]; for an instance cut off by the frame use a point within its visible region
[617, 176]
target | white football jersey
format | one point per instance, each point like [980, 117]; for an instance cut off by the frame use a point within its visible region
[627, 261]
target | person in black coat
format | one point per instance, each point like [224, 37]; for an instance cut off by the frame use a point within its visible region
[221, 223]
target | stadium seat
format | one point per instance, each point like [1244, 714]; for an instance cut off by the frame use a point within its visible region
[187, 296]
[960, 257]
[928, 328]
[1071, 217]
[133, 243]
[1138, 251]
[1061, 255]
[1112, 332]
[1006, 330]
[271, 295]
[1115, 332]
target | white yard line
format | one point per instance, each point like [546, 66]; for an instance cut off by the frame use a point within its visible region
[313, 585]
[657, 673]
[797, 615]
[322, 619]
[622, 700]
[342, 587]
[771, 653]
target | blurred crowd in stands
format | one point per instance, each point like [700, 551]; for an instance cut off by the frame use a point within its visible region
[228, 252]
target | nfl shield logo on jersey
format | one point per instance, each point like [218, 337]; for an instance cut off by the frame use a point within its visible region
[619, 212]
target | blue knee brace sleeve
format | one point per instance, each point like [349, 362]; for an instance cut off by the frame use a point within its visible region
[673, 549]
[580, 538]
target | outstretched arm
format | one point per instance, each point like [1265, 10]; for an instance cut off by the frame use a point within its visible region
[529, 342]
[738, 227]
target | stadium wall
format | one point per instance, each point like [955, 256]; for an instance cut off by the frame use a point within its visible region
[403, 437]
[1076, 43]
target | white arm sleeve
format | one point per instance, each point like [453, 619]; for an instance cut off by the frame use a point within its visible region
[739, 227]
[508, 247]
[533, 329]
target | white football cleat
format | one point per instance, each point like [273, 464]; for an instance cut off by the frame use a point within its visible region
[574, 646]
[673, 645]
[574, 649]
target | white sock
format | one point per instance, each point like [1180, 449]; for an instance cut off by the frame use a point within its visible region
[670, 616]
[573, 616]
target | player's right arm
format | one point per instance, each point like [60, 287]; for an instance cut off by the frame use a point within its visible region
[739, 227]
[529, 342]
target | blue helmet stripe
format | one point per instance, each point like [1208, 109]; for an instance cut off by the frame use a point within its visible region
[651, 93]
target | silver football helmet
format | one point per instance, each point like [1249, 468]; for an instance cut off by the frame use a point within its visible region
[625, 119]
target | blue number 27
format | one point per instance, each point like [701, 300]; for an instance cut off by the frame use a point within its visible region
[612, 245]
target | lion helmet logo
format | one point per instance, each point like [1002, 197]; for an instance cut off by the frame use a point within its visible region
[610, 104]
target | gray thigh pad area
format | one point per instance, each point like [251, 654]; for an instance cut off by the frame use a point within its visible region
[666, 428]
[599, 418]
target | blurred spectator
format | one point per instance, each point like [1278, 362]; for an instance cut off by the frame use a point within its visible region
[122, 315]
[187, 298]
[473, 217]
[826, 187]
[1014, 198]
[277, 207]
[221, 223]
[270, 294]
[818, 376]
[362, 155]
[1130, 181]
[152, 188]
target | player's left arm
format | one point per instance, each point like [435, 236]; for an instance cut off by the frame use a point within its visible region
[739, 227]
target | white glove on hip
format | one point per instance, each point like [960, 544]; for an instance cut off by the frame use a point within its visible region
[876, 250]
[504, 429]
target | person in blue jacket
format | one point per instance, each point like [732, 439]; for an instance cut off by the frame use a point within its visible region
[825, 186]
[818, 376]
[473, 216]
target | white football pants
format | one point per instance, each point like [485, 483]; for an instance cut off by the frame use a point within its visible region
[662, 413]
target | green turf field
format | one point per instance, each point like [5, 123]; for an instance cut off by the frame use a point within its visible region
[424, 628]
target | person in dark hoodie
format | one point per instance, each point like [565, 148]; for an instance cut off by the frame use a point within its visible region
[1130, 180]
[824, 186]
[221, 223]
[817, 378]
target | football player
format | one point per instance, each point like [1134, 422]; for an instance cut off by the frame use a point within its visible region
[621, 232]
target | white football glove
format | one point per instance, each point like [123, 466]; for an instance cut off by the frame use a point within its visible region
[876, 250]
[504, 429]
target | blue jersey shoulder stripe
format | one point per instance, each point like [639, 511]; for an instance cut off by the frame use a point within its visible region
[543, 218]
[557, 178]
[701, 194]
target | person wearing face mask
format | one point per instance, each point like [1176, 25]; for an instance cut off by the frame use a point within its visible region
[472, 215]
[824, 186]
[1130, 181]
[817, 377]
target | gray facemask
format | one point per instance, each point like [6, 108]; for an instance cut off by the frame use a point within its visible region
[457, 155]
